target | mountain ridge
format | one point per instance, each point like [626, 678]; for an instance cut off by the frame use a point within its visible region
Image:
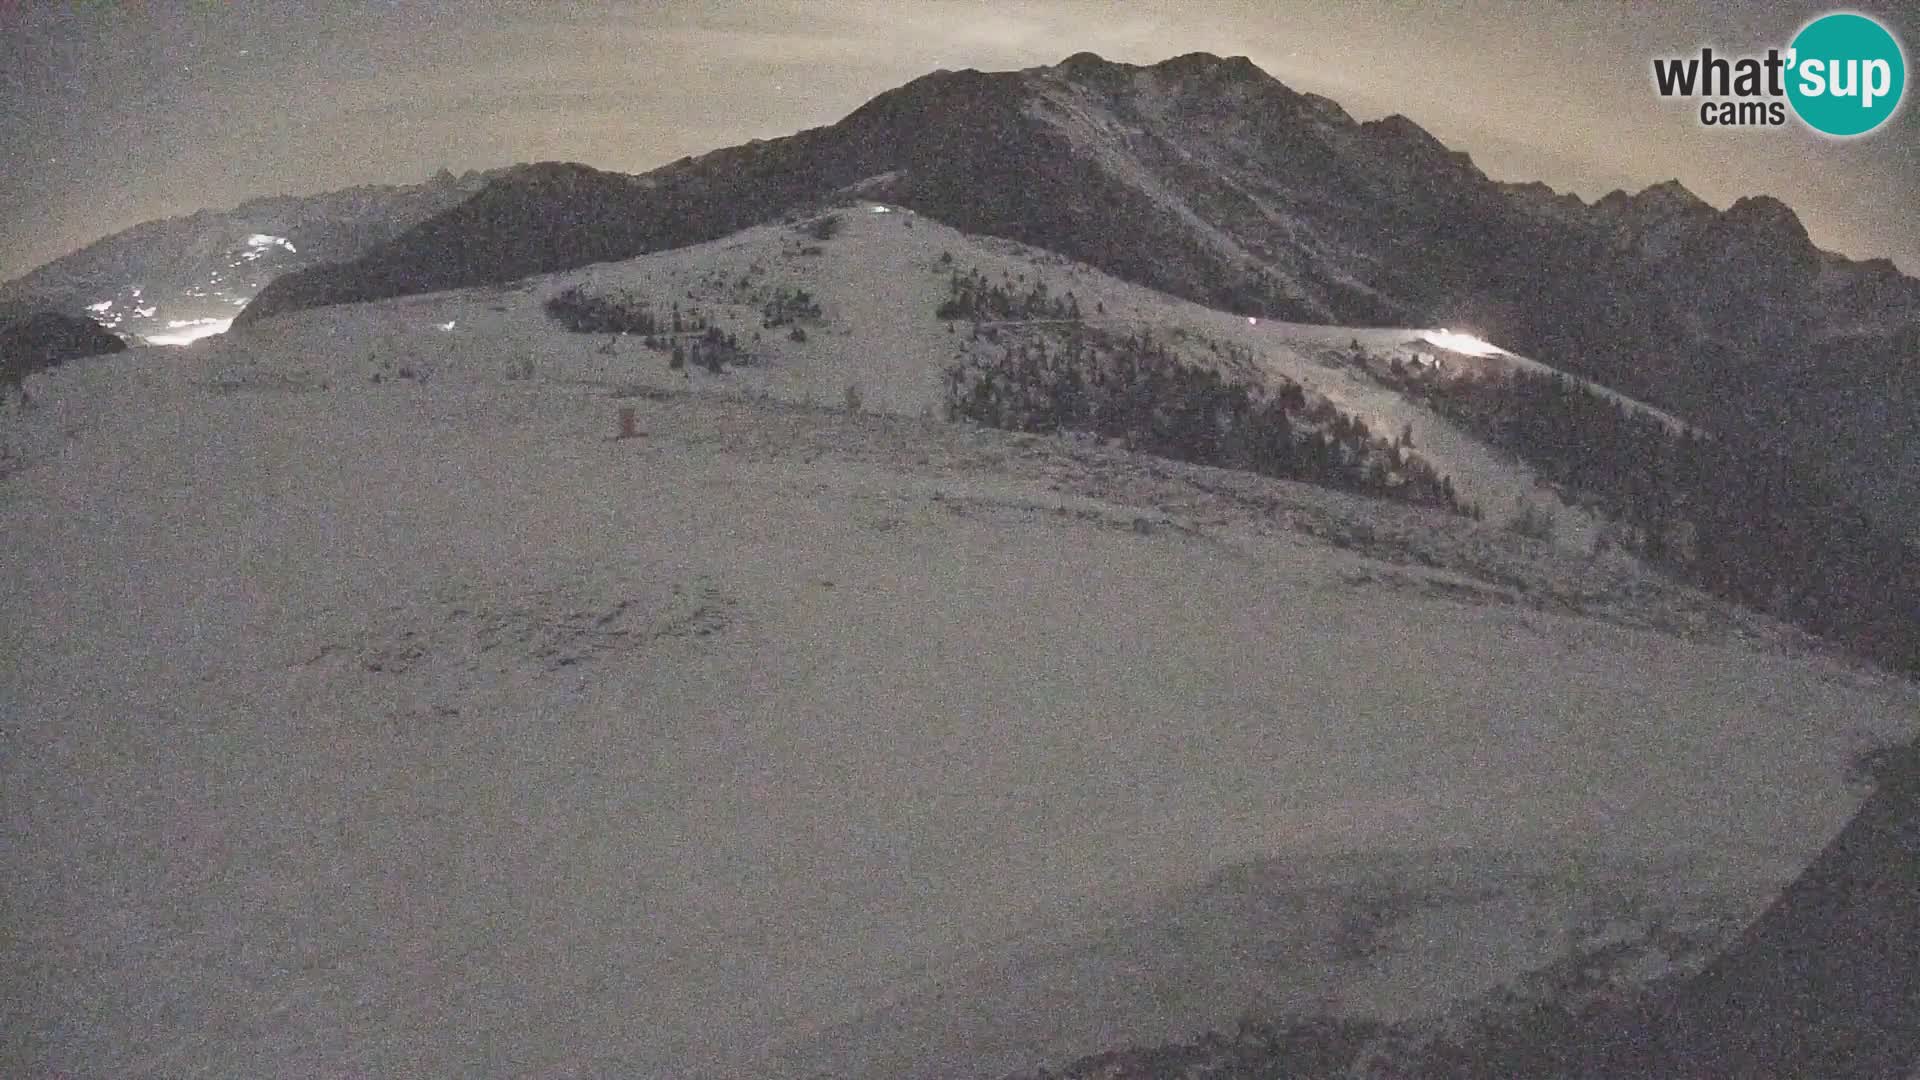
[950, 116]
[1207, 178]
[198, 269]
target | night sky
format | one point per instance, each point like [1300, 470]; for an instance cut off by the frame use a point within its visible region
[112, 113]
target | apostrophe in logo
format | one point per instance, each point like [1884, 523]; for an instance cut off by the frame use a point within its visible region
[1843, 75]
[1848, 74]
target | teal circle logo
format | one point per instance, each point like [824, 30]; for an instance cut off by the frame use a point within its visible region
[1846, 74]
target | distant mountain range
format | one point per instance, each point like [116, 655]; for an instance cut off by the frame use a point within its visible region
[1208, 179]
[184, 277]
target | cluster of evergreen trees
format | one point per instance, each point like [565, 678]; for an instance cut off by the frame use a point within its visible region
[623, 313]
[1135, 388]
[712, 350]
[788, 305]
[687, 337]
[1743, 522]
[584, 313]
[972, 296]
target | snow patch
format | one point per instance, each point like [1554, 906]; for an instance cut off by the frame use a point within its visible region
[188, 331]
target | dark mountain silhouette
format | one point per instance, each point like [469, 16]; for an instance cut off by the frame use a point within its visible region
[1825, 983]
[1200, 176]
[33, 340]
[1822, 984]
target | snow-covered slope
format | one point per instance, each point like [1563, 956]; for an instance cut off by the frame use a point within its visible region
[878, 281]
[421, 727]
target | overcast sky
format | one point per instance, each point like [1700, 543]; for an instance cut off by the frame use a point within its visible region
[114, 112]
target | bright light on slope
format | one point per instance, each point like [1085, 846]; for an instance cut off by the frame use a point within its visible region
[261, 240]
[101, 307]
[190, 331]
[1461, 343]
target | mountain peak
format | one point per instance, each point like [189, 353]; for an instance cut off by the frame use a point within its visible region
[1085, 59]
[1665, 204]
[1763, 209]
[1403, 132]
[1669, 193]
[1400, 127]
[1085, 64]
[1206, 61]
[1093, 70]
[1767, 216]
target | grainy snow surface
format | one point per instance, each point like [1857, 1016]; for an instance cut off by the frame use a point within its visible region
[403, 729]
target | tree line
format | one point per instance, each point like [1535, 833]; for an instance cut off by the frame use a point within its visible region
[972, 296]
[1745, 523]
[686, 337]
[1137, 389]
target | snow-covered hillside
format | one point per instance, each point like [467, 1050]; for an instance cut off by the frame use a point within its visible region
[878, 281]
[420, 726]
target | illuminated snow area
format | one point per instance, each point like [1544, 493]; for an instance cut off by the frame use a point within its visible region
[1461, 343]
[187, 331]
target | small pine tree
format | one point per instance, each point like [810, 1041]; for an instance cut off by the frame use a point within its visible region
[1534, 522]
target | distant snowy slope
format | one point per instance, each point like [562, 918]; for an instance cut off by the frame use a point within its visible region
[878, 281]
